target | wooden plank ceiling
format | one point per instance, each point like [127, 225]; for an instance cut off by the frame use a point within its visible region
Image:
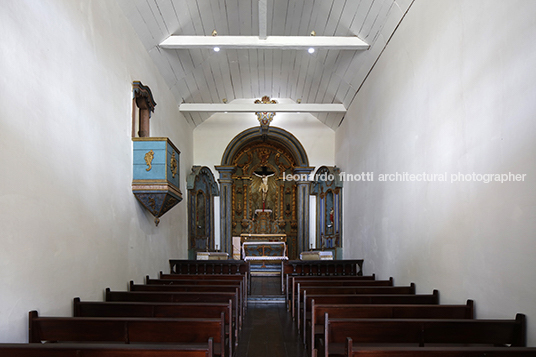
[206, 76]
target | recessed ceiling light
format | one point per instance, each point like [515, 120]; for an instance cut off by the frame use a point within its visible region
[311, 50]
[216, 49]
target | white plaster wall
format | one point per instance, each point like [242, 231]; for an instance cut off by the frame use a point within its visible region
[69, 223]
[453, 92]
[214, 134]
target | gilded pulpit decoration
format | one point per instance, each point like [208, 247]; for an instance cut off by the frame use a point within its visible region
[265, 118]
[149, 159]
[173, 164]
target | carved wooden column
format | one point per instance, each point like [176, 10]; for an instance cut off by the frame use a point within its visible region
[226, 208]
[145, 102]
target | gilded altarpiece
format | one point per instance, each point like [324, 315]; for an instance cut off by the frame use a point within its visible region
[328, 190]
[262, 201]
[201, 191]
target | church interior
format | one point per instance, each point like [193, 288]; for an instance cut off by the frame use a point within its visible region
[399, 133]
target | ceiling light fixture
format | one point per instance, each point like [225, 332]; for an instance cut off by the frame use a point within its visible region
[216, 49]
[311, 50]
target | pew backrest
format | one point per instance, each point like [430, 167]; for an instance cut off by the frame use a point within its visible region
[352, 351]
[174, 297]
[424, 331]
[304, 288]
[331, 281]
[315, 325]
[159, 310]
[175, 279]
[341, 290]
[108, 350]
[126, 330]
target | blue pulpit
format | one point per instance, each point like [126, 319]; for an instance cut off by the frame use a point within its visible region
[156, 174]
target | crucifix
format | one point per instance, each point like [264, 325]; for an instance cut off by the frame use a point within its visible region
[264, 174]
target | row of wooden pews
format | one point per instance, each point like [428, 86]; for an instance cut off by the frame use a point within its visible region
[355, 315]
[184, 315]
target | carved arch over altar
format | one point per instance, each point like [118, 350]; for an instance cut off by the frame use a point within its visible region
[255, 196]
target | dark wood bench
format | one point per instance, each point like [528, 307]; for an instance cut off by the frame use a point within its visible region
[192, 288]
[160, 310]
[379, 299]
[353, 351]
[421, 332]
[241, 281]
[297, 282]
[342, 290]
[202, 267]
[314, 326]
[323, 267]
[175, 296]
[233, 277]
[104, 350]
[292, 283]
[127, 330]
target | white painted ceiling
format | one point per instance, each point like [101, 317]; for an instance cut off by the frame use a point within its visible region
[205, 76]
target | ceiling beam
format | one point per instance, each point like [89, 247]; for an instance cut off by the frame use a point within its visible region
[271, 42]
[263, 19]
[252, 108]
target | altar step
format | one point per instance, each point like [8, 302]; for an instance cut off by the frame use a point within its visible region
[265, 270]
[266, 299]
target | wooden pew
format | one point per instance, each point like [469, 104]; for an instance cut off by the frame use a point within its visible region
[378, 299]
[368, 280]
[290, 279]
[420, 332]
[192, 288]
[127, 330]
[315, 326]
[104, 350]
[297, 281]
[189, 280]
[170, 296]
[160, 310]
[341, 290]
[233, 277]
[354, 351]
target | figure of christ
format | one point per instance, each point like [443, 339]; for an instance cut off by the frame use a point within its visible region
[263, 187]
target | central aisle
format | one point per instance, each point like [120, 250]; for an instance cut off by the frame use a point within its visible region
[268, 329]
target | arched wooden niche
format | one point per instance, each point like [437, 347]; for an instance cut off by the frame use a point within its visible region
[201, 191]
[256, 195]
[328, 190]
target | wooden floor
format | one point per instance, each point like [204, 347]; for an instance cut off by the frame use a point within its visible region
[268, 329]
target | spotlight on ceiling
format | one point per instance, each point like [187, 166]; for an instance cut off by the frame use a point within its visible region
[311, 50]
[216, 49]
